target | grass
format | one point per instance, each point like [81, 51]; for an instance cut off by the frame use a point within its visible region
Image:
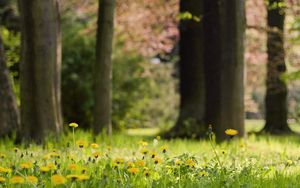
[136, 160]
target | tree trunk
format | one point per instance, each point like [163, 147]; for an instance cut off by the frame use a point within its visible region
[9, 115]
[224, 25]
[276, 94]
[190, 121]
[103, 67]
[40, 69]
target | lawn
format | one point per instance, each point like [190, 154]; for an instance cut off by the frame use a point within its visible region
[130, 160]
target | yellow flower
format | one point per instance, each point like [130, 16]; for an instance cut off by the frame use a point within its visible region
[5, 170]
[74, 125]
[17, 180]
[133, 170]
[190, 163]
[119, 160]
[32, 180]
[203, 173]
[96, 154]
[81, 143]
[140, 163]
[54, 154]
[2, 180]
[44, 169]
[72, 166]
[164, 149]
[289, 162]
[153, 155]
[26, 165]
[94, 145]
[146, 173]
[157, 160]
[130, 164]
[144, 151]
[2, 155]
[231, 132]
[16, 150]
[82, 177]
[51, 166]
[58, 180]
[178, 162]
[143, 143]
[72, 177]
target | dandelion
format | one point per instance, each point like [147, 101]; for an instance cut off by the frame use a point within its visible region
[32, 180]
[51, 166]
[16, 150]
[231, 132]
[58, 180]
[73, 177]
[72, 166]
[143, 143]
[164, 148]
[119, 160]
[133, 170]
[144, 151]
[94, 146]
[17, 180]
[26, 165]
[83, 177]
[44, 169]
[96, 154]
[153, 155]
[2, 180]
[73, 125]
[289, 162]
[157, 160]
[140, 163]
[190, 163]
[81, 143]
[5, 170]
[203, 173]
[178, 162]
[130, 164]
[2, 155]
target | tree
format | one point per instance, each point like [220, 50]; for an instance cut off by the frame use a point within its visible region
[224, 25]
[40, 69]
[190, 122]
[103, 67]
[276, 93]
[9, 114]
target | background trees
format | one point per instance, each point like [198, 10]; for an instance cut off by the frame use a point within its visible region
[40, 69]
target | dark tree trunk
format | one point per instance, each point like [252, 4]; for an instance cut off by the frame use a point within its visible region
[224, 24]
[9, 115]
[103, 67]
[40, 69]
[190, 121]
[276, 94]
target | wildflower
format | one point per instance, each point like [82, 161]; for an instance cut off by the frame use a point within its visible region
[94, 146]
[17, 180]
[96, 154]
[82, 177]
[289, 162]
[144, 151]
[164, 149]
[119, 160]
[223, 152]
[72, 177]
[140, 163]
[178, 162]
[153, 155]
[190, 163]
[4, 170]
[2, 155]
[58, 180]
[130, 164]
[133, 170]
[231, 132]
[51, 166]
[54, 154]
[143, 143]
[74, 125]
[16, 150]
[72, 166]
[81, 143]
[157, 160]
[2, 180]
[32, 180]
[26, 165]
[203, 173]
[146, 173]
[44, 169]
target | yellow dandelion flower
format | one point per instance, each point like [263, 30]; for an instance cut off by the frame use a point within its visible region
[2, 155]
[58, 180]
[32, 180]
[157, 160]
[82, 177]
[51, 166]
[17, 180]
[44, 169]
[203, 173]
[96, 154]
[153, 155]
[133, 170]
[94, 146]
[5, 170]
[144, 151]
[143, 143]
[72, 177]
[81, 143]
[146, 173]
[16, 150]
[119, 160]
[191, 163]
[72, 166]
[178, 162]
[130, 164]
[289, 162]
[54, 154]
[2, 180]
[74, 125]
[140, 163]
[26, 165]
[231, 132]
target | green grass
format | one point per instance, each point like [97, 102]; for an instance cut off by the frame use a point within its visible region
[256, 161]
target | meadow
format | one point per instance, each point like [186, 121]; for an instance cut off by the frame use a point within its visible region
[137, 160]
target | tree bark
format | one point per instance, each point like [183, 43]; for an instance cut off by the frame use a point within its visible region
[276, 93]
[190, 122]
[40, 69]
[103, 67]
[9, 114]
[224, 25]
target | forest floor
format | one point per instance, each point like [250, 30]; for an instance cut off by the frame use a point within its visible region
[148, 161]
